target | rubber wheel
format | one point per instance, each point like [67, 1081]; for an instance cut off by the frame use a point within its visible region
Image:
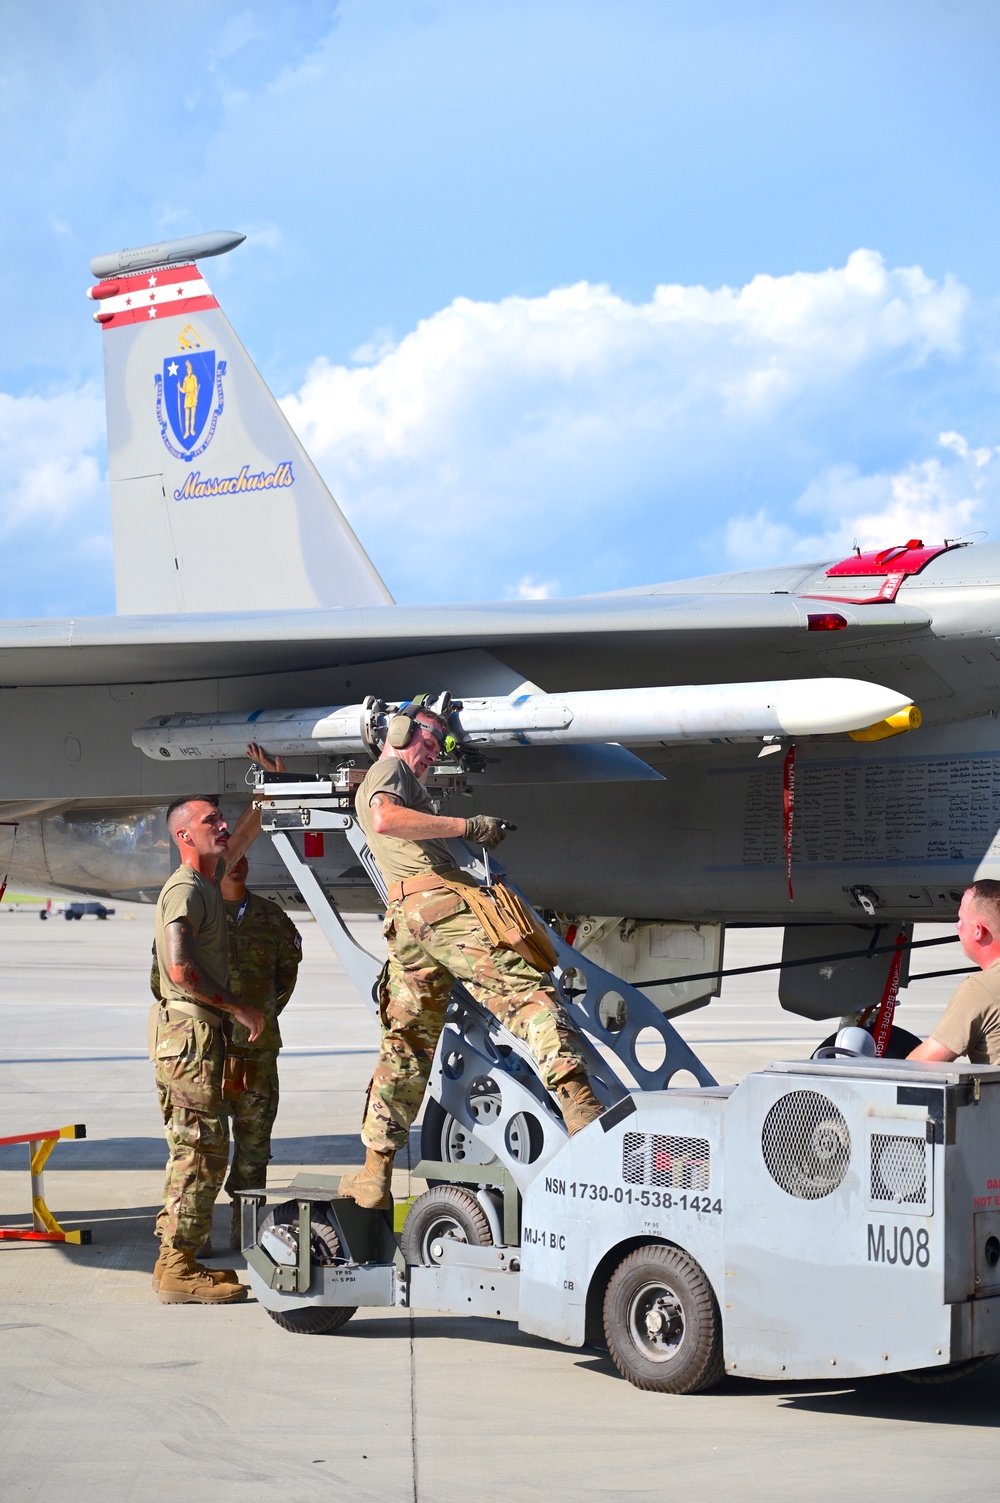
[445, 1213]
[933, 1377]
[662, 1322]
[311, 1320]
[900, 1043]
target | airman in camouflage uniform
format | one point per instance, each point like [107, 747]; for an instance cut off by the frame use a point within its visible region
[265, 949]
[434, 939]
[188, 1046]
[264, 954]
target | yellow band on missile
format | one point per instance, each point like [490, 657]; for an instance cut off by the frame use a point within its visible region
[903, 720]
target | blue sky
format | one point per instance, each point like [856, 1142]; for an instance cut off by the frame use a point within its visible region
[459, 214]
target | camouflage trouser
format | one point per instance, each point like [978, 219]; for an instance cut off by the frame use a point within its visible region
[189, 1057]
[252, 1114]
[434, 940]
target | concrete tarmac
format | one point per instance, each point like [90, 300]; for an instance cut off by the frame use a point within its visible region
[107, 1395]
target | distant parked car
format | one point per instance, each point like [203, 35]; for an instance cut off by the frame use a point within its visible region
[77, 910]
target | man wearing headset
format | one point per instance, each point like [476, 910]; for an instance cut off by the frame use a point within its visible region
[434, 940]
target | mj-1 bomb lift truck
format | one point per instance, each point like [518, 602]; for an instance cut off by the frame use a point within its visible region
[837, 1217]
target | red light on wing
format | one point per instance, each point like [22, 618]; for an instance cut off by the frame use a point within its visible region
[103, 289]
[827, 621]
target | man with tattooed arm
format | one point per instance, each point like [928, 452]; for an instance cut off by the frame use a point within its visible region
[192, 952]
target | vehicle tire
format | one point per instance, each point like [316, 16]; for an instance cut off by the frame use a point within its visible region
[900, 1043]
[311, 1320]
[662, 1322]
[446, 1213]
[933, 1377]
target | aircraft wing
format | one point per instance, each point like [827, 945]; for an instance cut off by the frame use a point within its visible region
[686, 636]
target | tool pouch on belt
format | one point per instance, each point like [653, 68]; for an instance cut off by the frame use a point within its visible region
[234, 1076]
[511, 924]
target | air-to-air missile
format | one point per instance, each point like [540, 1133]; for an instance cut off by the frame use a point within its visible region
[781, 708]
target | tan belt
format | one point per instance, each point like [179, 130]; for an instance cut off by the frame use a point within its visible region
[426, 883]
[177, 1011]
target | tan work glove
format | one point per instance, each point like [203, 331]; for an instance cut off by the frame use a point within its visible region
[487, 830]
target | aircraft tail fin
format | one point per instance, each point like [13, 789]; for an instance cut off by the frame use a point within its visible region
[216, 506]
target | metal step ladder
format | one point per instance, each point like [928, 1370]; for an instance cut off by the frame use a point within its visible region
[484, 1079]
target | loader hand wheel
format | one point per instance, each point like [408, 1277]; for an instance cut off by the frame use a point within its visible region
[950, 1373]
[444, 1138]
[900, 1042]
[311, 1320]
[662, 1322]
[447, 1213]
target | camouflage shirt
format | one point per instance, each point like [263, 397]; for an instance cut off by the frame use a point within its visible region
[264, 953]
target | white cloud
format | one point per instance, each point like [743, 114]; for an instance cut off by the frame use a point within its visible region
[589, 354]
[932, 499]
[52, 471]
[960, 446]
[55, 522]
[579, 422]
[579, 442]
[529, 588]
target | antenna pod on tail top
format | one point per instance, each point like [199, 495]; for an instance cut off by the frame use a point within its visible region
[167, 253]
[215, 504]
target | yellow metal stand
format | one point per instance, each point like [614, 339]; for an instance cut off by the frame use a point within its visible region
[45, 1227]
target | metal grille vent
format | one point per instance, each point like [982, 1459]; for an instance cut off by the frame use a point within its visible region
[899, 1169]
[656, 1159]
[806, 1145]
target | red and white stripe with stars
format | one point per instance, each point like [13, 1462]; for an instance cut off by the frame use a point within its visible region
[150, 295]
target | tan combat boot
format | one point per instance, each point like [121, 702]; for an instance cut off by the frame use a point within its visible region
[218, 1275]
[578, 1103]
[370, 1186]
[185, 1282]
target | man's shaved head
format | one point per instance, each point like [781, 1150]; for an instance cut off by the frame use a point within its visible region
[179, 812]
[985, 903]
[433, 722]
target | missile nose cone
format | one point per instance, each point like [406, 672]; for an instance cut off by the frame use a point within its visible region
[831, 706]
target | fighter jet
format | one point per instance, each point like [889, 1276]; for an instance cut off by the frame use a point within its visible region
[811, 745]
